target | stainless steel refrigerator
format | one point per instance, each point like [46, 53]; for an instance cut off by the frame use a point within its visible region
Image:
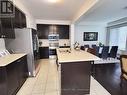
[26, 41]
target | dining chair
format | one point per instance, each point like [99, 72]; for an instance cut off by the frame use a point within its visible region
[113, 52]
[91, 50]
[96, 48]
[82, 48]
[105, 50]
[86, 46]
[123, 61]
[93, 45]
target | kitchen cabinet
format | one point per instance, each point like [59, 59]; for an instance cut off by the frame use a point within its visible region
[13, 76]
[8, 24]
[0, 29]
[23, 71]
[45, 29]
[7, 29]
[44, 52]
[23, 20]
[19, 20]
[63, 31]
[79, 81]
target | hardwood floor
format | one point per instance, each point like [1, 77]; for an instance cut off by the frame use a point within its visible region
[108, 75]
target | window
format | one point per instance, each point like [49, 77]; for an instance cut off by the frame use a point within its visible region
[118, 37]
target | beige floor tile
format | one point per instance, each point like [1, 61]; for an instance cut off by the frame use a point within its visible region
[52, 93]
[36, 94]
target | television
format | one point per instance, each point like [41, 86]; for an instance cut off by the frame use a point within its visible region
[90, 36]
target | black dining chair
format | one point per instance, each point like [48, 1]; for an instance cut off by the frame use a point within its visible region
[82, 48]
[113, 52]
[86, 46]
[91, 50]
[105, 50]
[96, 48]
[93, 45]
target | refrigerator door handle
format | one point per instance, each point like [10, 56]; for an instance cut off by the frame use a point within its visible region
[37, 43]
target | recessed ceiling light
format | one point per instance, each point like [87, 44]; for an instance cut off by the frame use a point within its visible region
[53, 1]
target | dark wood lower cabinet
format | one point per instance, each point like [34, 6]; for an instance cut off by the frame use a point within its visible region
[44, 52]
[75, 78]
[3, 81]
[13, 76]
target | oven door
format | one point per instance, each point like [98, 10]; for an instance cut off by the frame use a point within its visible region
[52, 51]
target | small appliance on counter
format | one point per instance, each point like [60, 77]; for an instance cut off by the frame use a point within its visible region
[53, 44]
[4, 53]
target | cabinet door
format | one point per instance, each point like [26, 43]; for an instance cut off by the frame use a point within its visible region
[7, 28]
[20, 19]
[22, 70]
[23, 20]
[16, 20]
[12, 78]
[0, 29]
[79, 81]
[43, 31]
[63, 31]
[44, 52]
[3, 81]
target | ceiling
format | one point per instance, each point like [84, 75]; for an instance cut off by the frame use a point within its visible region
[64, 10]
[105, 11]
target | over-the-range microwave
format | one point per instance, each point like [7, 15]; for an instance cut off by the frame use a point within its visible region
[53, 37]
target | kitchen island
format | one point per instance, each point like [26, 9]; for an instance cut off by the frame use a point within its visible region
[74, 71]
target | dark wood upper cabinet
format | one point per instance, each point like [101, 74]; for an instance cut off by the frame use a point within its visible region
[0, 29]
[8, 24]
[63, 31]
[23, 20]
[7, 28]
[45, 29]
[19, 20]
[16, 19]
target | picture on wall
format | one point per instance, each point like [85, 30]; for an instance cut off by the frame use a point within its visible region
[90, 36]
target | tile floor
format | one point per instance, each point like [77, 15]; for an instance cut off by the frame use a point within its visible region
[47, 82]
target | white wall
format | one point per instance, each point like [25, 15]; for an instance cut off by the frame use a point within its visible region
[2, 44]
[80, 29]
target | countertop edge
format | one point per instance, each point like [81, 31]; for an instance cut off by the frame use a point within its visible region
[8, 59]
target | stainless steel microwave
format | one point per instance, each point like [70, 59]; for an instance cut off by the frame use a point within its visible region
[53, 37]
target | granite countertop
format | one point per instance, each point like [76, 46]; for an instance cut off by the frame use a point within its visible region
[67, 55]
[5, 60]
